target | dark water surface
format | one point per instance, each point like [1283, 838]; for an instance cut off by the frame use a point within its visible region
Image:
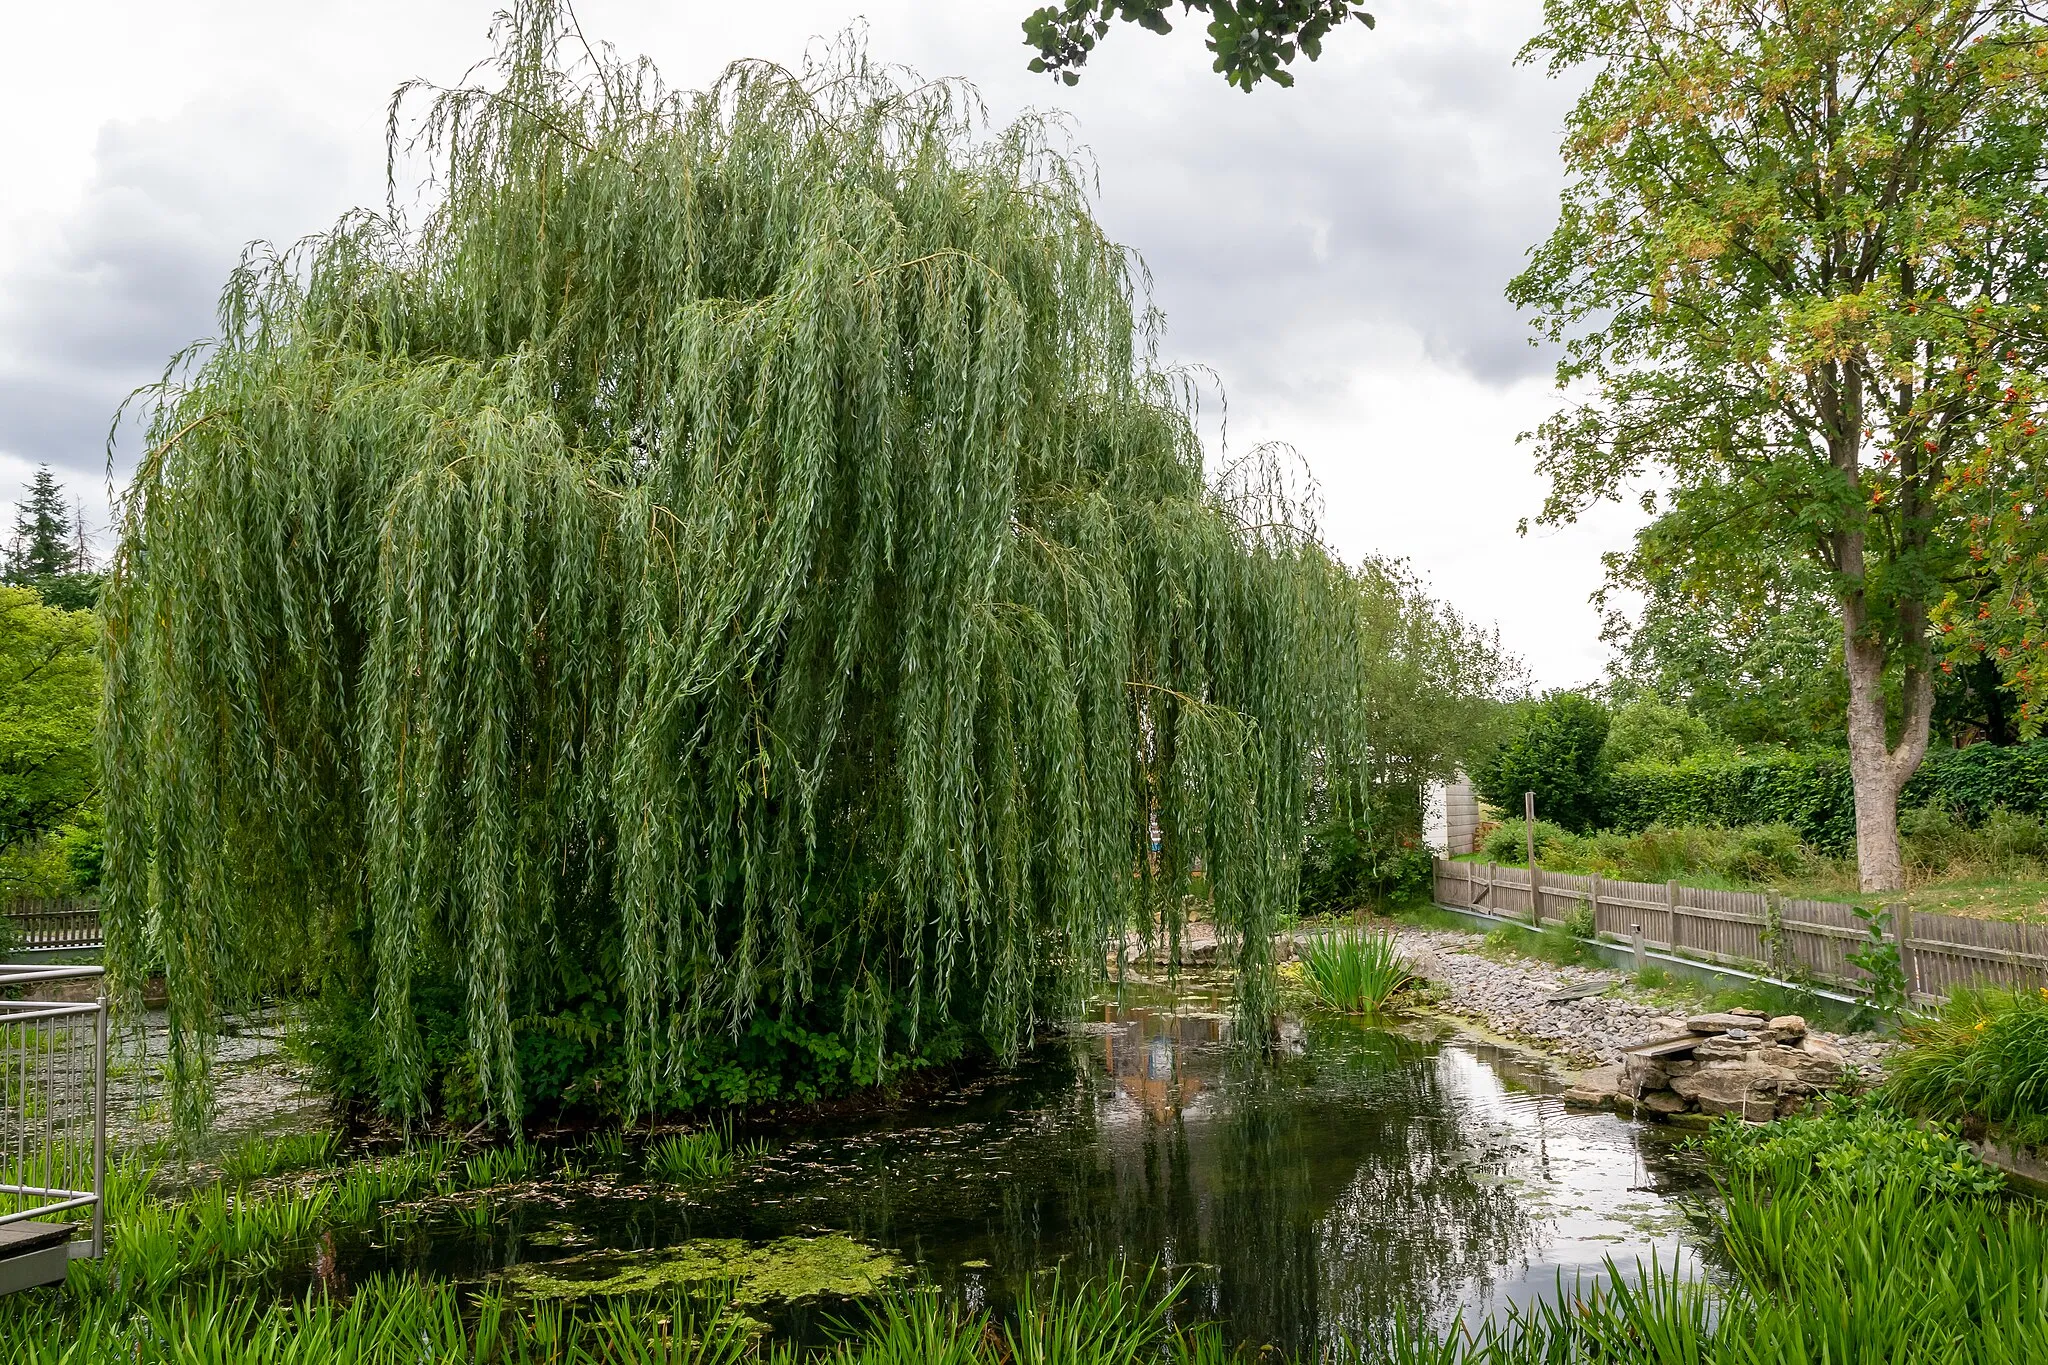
[1366, 1171]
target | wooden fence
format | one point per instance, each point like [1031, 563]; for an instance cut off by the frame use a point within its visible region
[1761, 930]
[69, 922]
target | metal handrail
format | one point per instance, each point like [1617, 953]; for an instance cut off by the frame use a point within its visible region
[26, 973]
[28, 1057]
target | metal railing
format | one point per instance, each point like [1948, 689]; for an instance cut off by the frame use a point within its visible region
[53, 1107]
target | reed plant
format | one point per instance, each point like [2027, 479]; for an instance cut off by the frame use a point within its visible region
[1359, 971]
[707, 1154]
[263, 1157]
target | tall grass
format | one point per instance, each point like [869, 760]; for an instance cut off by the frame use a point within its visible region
[1358, 971]
[690, 1158]
[1984, 1057]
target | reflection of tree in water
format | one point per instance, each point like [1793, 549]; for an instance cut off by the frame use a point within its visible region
[1312, 1197]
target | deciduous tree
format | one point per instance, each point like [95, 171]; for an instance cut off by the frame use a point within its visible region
[724, 596]
[1798, 257]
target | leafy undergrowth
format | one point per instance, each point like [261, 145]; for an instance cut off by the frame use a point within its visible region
[1983, 1060]
[276, 1196]
[1857, 1147]
[1899, 1253]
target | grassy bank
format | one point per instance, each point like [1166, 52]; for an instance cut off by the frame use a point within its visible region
[1994, 870]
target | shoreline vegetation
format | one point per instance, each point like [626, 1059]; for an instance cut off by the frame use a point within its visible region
[1926, 1257]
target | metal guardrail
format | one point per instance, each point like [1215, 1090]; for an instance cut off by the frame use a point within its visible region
[53, 1128]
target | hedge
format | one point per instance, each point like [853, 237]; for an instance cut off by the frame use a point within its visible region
[1812, 793]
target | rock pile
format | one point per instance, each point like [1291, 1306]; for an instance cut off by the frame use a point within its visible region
[1739, 1062]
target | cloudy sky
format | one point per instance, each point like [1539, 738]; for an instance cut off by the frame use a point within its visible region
[1335, 253]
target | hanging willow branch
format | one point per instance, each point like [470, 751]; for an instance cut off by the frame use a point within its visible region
[735, 551]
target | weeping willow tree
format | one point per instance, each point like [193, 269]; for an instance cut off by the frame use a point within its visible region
[728, 578]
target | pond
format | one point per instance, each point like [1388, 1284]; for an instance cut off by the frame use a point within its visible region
[1366, 1171]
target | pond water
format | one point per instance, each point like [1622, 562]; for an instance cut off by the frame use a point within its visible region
[1365, 1171]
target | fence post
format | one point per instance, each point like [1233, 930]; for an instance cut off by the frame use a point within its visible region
[1902, 926]
[1535, 878]
[1593, 900]
[1671, 915]
[1635, 932]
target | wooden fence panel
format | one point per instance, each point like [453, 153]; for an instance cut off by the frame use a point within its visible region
[1760, 930]
[68, 922]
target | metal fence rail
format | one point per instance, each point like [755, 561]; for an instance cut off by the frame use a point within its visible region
[1781, 935]
[53, 1127]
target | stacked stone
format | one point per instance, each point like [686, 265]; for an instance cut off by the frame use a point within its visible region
[1741, 1062]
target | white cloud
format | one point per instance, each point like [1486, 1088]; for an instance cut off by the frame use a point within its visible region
[1336, 253]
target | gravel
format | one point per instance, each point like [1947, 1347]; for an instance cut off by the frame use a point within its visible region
[1508, 996]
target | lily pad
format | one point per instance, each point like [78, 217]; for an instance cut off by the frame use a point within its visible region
[785, 1269]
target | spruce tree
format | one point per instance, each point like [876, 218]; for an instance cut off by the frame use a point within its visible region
[42, 545]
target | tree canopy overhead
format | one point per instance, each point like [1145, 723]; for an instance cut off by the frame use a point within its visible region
[729, 576]
[1254, 40]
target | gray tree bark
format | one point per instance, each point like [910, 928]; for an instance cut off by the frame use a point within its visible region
[1878, 770]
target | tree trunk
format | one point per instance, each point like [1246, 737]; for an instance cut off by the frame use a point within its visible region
[1878, 771]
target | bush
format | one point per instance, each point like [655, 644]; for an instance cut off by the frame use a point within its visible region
[1983, 1059]
[1508, 844]
[1761, 853]
[1758, 853]
[1811, 792]
[1555, 748]
[1344, 867]
[1853, 1147]
[2008, 836]
[1648, 729]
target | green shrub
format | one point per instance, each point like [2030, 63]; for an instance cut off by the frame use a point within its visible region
[1555, 748]
[1357, 971]
[1984, 1058]
[1854, 1146]
[1381, 864]
[2008, 836]
[1811, 792]
[1581, 922]
[688, 1158]
[1507, 843]
[1761, 853]
[1648, 729]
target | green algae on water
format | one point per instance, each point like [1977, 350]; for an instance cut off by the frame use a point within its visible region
[786, 1269]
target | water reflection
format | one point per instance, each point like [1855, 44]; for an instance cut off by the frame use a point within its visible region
[1308, 1196]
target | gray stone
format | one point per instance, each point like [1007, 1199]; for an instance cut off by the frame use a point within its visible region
[1788, 1026]
[1601, 1080]
[1718, 1023]
[1728, 1047]
[1644, 1073]
[1729, 1088]
[1814, 1064]
[1663, 1102]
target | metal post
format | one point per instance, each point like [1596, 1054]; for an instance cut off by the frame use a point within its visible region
[99, 1132]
